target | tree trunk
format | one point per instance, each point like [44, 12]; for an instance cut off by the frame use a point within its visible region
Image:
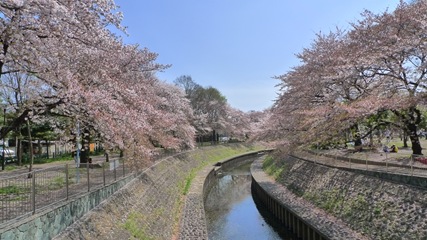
[47, 149]
[213, 137]
[356, 138]
[411, 119]
[415, 141]
[30, 140]
[405, 140]
[19, 151]
[85, 152]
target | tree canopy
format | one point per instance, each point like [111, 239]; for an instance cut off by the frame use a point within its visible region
[59, 58]
[346, 77]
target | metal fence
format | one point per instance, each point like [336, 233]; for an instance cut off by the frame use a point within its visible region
[23, 194]
[403, 164]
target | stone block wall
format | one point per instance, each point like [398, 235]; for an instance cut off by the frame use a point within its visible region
[377, 208]
[144, 209]
[150, 206]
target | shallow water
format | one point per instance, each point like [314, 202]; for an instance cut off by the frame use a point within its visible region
[231, 212]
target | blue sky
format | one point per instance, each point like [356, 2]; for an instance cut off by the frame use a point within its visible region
[236, 46]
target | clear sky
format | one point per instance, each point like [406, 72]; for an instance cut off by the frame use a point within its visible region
[236, 46]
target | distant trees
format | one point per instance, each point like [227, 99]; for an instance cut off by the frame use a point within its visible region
[347, 77]
[212, 114]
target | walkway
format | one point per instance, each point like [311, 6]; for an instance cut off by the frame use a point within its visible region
[397, 163]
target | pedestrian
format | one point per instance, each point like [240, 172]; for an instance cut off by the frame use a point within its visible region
[385, 148]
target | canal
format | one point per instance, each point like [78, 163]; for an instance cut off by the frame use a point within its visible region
[232, 212]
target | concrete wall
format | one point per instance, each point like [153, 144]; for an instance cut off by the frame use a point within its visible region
[51, 221]
[397, 178]
[375, 207]
[193, 222]
[297, 215]
[151, 206]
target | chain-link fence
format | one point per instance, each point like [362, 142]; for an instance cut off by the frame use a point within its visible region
[23, 194]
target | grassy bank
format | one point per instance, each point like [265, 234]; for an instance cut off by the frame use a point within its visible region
[169, 213]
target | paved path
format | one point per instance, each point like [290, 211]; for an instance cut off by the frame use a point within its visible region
[400, 163]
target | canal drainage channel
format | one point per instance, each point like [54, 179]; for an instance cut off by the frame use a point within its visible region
[232, 212]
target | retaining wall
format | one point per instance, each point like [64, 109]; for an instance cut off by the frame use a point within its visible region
[193, 223]
[404, 178]
[297, 215]
[374, 207]
[150, 206]
[52, 220]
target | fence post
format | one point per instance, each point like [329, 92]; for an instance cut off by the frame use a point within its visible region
[386, 162]
[33, 192]
[123, 167]
[103, 172]
[336, 159]
[66, 181]
[88, 177]
[386, 165]
[366, 157]
[114, 164]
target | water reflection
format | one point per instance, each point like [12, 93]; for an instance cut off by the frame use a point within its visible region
[231, 212]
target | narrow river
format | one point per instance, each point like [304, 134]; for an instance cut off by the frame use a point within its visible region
[231, 212]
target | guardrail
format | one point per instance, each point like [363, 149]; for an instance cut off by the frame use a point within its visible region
[405, 166]
[21, 195]
[407, 170]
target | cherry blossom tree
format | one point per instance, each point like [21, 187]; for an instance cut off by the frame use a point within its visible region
[212, 113]
[399, 61]
[346, 77]
[78, 69]
[33, 33]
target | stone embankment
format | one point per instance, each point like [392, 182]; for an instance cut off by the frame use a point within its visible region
[297, 214]
[374, 207]
[193, 222]
[150, 206]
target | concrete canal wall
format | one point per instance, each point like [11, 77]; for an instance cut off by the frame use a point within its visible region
[360, 204]
[155, 202]
[143, 206]
[193, 223]
[317, 201]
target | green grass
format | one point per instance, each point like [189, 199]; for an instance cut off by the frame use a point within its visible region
[10, 167]
[15, 193]
[56, 183]
[272, 168]
[188, 181]
[63, 158]
[136, 229]
[13, 189]
[211, 156]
